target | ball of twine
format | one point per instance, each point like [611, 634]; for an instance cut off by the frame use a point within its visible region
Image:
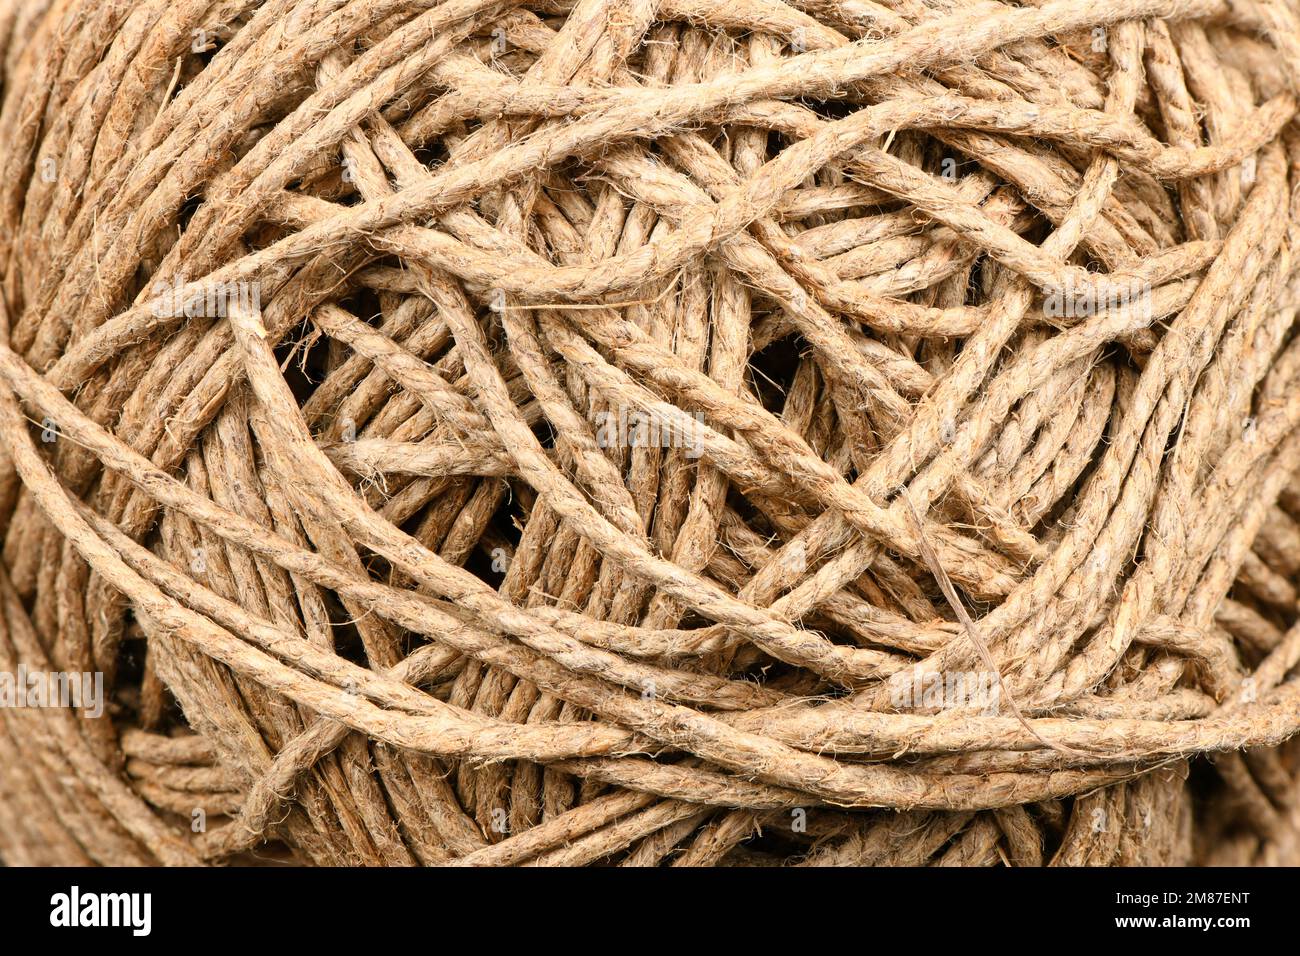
[602, 430]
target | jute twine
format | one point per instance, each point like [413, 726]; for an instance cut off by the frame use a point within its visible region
[651, 431]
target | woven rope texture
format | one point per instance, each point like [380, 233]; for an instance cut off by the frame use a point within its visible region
[761, 432]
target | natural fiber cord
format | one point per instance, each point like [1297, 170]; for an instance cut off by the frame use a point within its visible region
[761, 432]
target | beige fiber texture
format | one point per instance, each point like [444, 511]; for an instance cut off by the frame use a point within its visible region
[651, 432]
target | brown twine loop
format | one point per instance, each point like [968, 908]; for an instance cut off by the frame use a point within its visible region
[491, 432]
